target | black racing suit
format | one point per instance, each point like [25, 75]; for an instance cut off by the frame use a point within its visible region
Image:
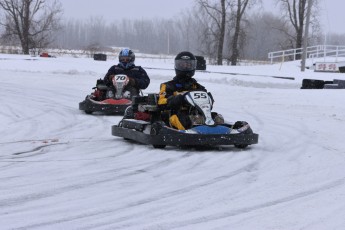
[171, 98]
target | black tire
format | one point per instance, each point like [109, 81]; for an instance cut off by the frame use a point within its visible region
[100, 57]
[88, 112]
[129, 113]
[200, 63]
[340, 83]
[159, 146]
[155, 128]
[312, 84]
[241, 146]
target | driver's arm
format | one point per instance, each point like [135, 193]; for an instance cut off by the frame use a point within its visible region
[168, 98]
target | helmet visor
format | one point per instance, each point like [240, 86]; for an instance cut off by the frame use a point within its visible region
[185, 65]
[125, 59]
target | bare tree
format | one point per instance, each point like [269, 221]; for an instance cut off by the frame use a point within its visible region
[218, 15]
[30, 21]
[241, 7]
[205, 35]
[295, 11]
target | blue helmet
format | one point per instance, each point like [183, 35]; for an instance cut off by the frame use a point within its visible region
[126, 58]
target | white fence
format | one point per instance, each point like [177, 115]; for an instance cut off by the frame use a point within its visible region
[329, 51]
[312, 52]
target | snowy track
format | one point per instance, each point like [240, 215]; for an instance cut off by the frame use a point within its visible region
[62, 169]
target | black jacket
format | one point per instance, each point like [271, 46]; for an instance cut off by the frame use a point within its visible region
[170, 92]
[140, 76]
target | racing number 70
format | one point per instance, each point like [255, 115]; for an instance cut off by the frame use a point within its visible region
[120, 77]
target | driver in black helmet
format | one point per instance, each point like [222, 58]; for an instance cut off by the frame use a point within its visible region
[171, 95]
[137, 76]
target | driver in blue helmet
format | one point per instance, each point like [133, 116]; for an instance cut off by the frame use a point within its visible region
[137, 76]
[171, 95]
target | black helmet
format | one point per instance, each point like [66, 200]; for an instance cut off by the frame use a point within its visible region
[185, 64]
[126, 58]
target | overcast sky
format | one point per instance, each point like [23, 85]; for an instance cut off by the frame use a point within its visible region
[132, 9]
[332, 11]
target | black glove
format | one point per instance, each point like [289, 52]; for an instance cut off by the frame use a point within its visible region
[131, 81]
[176, 101]
[180, 98]
[111, 77]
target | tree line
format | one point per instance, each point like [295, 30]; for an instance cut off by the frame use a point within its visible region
[225, 31]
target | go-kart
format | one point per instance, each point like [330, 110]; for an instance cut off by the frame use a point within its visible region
[110, 100]
[146, 123]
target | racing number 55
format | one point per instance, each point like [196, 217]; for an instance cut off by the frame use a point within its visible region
[200, 95]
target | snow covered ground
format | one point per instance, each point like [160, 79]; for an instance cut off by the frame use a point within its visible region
[62, 169]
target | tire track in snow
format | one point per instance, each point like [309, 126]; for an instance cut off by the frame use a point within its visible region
[214, 217]
[133, 205]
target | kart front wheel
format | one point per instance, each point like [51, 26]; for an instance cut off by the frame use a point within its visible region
[239, 146]
[159, 146]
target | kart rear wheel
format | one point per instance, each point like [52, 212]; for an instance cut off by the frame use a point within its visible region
[155, 128]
